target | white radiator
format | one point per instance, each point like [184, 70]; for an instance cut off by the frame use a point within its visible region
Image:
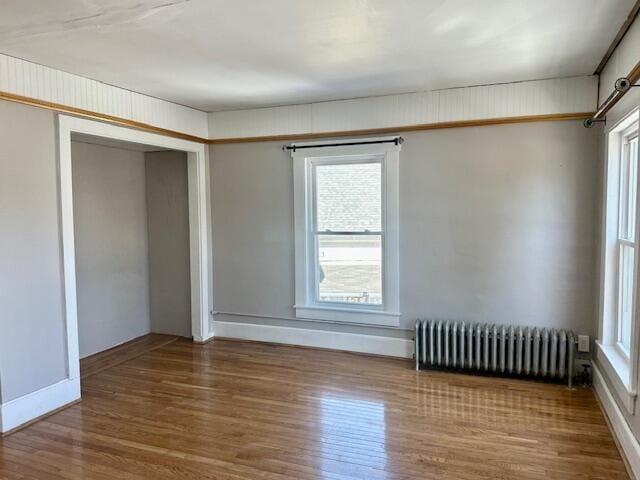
[509, 350]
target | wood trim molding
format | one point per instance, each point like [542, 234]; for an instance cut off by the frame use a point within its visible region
[410, 128]
[634, 74]
[59, 108]
[79, 112]
[624, 28]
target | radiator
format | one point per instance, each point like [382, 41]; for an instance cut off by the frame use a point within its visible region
[502, 349]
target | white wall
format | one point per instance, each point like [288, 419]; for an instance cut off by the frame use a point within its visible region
[537, 97]
[112, 247]
[20, 77]
[497, 224]
[624, 58]
[32, 338]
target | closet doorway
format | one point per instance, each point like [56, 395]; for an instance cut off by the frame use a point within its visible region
[136, 230]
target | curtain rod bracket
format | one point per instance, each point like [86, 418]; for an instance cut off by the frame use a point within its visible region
[623, 84]
[590, 122]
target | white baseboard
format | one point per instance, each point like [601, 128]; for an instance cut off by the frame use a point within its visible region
[33, 405]
[201, 339]
[350, 342]
[621, 430]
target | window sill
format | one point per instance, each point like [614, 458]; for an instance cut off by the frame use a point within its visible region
[617, 370]
[348, 315]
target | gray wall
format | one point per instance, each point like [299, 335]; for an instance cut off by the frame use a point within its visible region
[112, 267]
[496, 224]
[168, 227]
[32, 338]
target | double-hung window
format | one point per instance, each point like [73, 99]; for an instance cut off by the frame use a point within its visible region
[346, 223]
[627, 200]
[617, 351]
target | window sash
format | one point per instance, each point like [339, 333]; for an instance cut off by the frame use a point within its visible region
[628, 188]
[316, 276]
[626, 288]
[627, 219]
[373, 159]
[315, 233]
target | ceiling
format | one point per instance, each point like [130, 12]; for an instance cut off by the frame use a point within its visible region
[232, 54]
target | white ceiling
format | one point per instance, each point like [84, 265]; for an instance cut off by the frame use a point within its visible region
[229, 54]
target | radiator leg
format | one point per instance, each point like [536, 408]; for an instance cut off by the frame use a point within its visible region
[416, 345]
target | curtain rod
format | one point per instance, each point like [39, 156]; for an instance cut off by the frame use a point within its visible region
[621, 87]
[294, 147]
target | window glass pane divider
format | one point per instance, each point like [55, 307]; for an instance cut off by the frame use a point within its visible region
[345, 233]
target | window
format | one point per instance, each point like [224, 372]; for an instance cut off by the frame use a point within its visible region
[617, 345]
[346, 214]
[348, 231]
[627, 236]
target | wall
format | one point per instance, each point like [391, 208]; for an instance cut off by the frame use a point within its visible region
[497, 224]
[623, 59]
[112, 267]
[168, 227]
[32, 324]
[536, 97]
[20, 77]
[32, 339]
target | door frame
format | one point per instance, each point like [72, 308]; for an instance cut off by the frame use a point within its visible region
[199, 223]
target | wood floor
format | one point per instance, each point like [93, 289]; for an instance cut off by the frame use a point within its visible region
[235, 410]
[122, 353]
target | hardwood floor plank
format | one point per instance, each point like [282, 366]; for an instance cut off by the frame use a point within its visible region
[240, 410]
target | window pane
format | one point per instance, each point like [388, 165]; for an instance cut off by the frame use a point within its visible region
[628, 189]
[350, 269]
[349, 197]
[633, 187]
[626, 295]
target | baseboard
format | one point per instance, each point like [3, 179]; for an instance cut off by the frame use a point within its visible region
[350, 342]
[626, 440]
[202, 340]
[27, 408]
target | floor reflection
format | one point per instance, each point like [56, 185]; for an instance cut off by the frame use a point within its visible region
[487, 400]
[352, 432]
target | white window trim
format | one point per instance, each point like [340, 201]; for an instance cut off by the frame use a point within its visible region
[622, 370]
[389, 313]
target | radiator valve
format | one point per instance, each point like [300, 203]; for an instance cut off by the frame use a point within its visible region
[585, 375]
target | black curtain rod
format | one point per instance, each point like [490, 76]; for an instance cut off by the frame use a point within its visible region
[294, 147]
